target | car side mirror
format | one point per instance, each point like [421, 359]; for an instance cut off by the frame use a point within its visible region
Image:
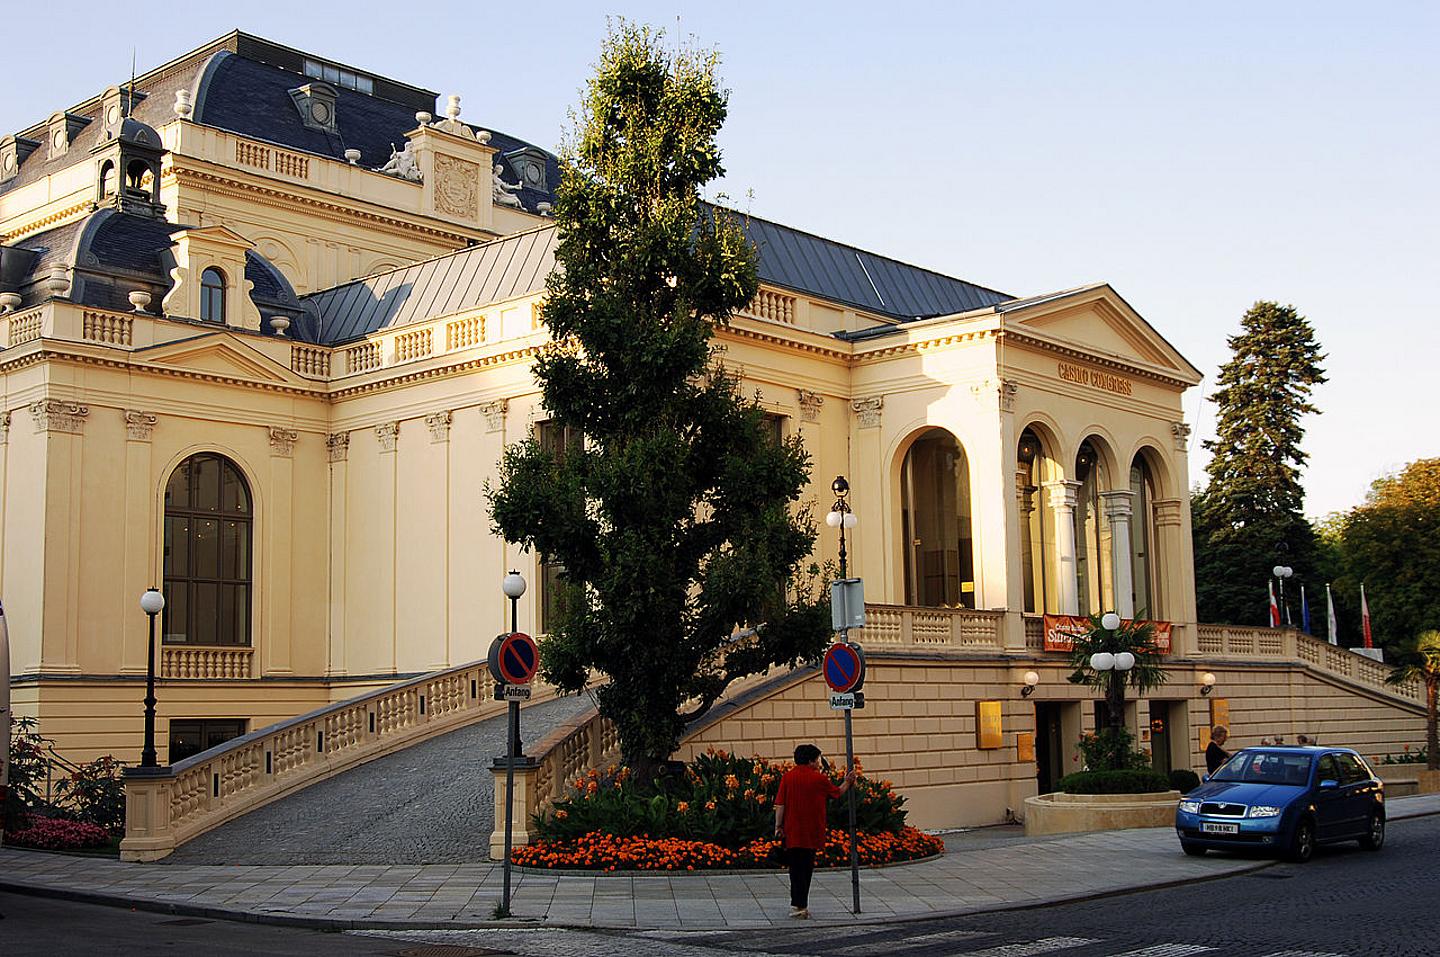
[1204, 778]
[1329, 785]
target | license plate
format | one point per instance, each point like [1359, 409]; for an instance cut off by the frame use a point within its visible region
[1209, 828]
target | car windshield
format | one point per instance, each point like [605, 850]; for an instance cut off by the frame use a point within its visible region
[1266, 767]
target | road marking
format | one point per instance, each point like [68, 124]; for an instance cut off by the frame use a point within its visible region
[1302, 953]
[1032, 948]
[1167, 950]
[909, 943]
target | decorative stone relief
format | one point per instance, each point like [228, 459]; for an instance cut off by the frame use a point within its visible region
[810, 403]
[494, 413]
[868, 410]
[439, 423]
[456, 192]
[337, 444]
[4, 428]
[388, 434]
[1002, 390]
[139, 425]
[1168, 512]
[1181, 431]
[53, 415]
[282, 441]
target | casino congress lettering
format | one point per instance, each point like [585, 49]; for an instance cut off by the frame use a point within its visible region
[1095, 378]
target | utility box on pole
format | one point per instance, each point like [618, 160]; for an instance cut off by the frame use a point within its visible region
[847, 604]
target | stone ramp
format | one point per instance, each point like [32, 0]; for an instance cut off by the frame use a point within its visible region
[431, 803]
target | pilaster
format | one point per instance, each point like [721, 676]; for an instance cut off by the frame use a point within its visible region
[142, 568]
[275, 651]
[61, 424]
[337, 446]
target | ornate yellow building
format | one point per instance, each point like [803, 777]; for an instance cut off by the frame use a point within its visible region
[268, 324]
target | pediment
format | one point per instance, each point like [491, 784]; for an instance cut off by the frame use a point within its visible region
[223, 235]
[224, 355]
[1096, 320]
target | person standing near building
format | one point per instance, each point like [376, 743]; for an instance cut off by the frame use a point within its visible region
[800, 820]
[1215, 753]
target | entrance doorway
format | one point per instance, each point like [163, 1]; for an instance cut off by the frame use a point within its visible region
[1049, 745]
[1160, 735]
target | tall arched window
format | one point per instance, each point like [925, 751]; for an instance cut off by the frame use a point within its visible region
[1035, 522]
[1093, 574]
[1144, 568]
[208, 520]
[212, 295]
[935, 515]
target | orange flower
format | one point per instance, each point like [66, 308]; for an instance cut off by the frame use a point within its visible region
[710, 805]
[561, 815]
[682, 807]
[749, 794]
[732, 782]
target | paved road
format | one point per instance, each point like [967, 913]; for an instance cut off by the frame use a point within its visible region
[428, 804]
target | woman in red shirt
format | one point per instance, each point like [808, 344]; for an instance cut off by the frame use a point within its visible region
[800, 820]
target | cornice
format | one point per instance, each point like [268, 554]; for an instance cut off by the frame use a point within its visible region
[283, 199]
[57, 218]
[128, 363]
[926, 345]
[1109, 362]
[756, 335]
[388, 383]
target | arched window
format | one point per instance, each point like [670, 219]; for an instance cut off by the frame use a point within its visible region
[108, 179]
[1144, 568]
[212, 295]
[1036, 526]
[1093, 574]
[935, 515]
[207, 553]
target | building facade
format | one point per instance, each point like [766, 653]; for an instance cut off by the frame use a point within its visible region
[268, 324]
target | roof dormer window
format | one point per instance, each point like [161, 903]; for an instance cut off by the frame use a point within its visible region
[338, 76]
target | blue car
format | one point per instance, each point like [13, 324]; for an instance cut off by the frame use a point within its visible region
[1285, 800]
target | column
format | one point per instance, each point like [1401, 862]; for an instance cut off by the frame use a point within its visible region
[141, 569]
[1062, 502]
[1172, 544]
[1118, 508]
[866, 541]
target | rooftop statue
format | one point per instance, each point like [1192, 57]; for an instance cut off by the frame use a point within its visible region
[505, 193]
[402, 164]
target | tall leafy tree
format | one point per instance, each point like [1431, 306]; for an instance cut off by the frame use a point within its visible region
[1249, 516]
[1391, 543]
[1420, 661]
[676, 519]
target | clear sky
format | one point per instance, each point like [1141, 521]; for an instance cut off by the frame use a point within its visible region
[1198, 157]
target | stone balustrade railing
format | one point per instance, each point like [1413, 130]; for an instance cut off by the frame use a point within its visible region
[168, 806]
[1289, 644]
[205, 661]
[960, 629]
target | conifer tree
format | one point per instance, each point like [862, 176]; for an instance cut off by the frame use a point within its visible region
[1248, 518]
[676, 518]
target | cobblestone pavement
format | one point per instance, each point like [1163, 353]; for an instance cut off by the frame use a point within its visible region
[432, 803]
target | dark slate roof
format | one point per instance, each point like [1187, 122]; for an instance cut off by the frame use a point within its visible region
[805, 262]
[115, 253]
[516, 265]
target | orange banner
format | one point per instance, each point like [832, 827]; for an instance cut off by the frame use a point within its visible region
[1060, 629]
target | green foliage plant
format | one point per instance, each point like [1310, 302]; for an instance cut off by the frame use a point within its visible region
[95, 794]
[1421, 662]
[1249, 516]
[1111, 749]
[1130, 781]
[676, 520]
[27, 772]
[1183, 780]
[1137, 638]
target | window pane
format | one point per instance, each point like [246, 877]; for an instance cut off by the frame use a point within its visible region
[177, 546]
[177, 492]
[242, 614]
[364, 84]
[234, 551]
[332, 74]
[313, 69]
[206, 612]
[233, 496]
[205, 495]
[207, 548]
[174, 625]
[185, 739]
[225, 626]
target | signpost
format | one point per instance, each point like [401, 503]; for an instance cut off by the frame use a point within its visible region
[514, 659]
[844, 670]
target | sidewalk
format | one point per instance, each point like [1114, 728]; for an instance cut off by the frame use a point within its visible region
[1019, 874]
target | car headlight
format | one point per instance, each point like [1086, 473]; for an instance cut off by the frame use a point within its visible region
[1190, 807]
[1264, 810]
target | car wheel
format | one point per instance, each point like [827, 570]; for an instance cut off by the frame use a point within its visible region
[1374, 838]
[1194, 850]
[1302, 846]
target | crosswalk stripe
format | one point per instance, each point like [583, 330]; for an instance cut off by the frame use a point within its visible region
[1032, 948]
[1167, 950]
[908, 943]
[1302, 953]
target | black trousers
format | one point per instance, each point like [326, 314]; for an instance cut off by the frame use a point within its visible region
[802, 868]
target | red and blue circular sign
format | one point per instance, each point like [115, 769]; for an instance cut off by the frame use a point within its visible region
[514, 658]
[844, 667]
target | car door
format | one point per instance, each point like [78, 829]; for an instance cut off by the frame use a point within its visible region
[1356, 789]
[1330, 813]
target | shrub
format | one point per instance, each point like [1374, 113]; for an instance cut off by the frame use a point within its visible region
[27, 772]
[95, 794]
[1114, 782]
[1408, 756]
[57, 834]
[1111, 749]
[1184, 780]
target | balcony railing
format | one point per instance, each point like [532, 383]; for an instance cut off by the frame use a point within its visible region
[205, 661]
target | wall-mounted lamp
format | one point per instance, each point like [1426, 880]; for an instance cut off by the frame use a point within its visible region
[1207, 683]
[1031, 680]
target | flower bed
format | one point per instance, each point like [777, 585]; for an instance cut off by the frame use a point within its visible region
[718, 813]
[598, 851]
[57, 834]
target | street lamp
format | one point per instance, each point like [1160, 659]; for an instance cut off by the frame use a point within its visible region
[1207, 683]
[152, 603]
[1114, 665]
[513, 585]
[1032, 678]
[1283, 572]
[841, 516]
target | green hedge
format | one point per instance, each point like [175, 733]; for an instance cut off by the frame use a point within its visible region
[1184, 780]
[1114, 782]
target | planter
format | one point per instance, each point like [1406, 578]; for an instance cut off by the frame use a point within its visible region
[1402, 780]
[1076, 813]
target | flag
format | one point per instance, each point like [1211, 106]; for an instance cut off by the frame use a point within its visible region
[1304, 612]
[1365, 618]
[4, 718]
[1331, 625]
[1274, 608]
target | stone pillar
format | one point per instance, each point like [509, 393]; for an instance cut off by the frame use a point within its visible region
[1172, 544]
[149, 833]
[527, 773]
[1117, 509]
[1062, 501]
[337, 446]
